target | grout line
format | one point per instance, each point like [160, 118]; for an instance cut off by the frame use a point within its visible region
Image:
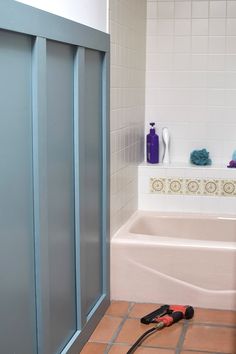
[115, 335]
[180, 343]
[206, 324]
[158, 347]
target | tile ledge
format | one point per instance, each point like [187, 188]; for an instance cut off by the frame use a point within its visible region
[186, 166]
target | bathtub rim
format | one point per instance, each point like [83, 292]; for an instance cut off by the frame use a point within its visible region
[124, 236]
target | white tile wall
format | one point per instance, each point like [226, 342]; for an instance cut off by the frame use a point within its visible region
[191, 75]
[184, 203]
[217, 9]
[128, 37]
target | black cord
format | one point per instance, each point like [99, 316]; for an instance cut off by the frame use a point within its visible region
[140, 339]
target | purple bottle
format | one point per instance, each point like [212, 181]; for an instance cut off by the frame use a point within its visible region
[152, 145]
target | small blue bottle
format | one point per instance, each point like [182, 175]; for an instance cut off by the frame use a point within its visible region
[152, 145]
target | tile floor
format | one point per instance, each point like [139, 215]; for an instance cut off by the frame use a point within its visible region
[210, 331]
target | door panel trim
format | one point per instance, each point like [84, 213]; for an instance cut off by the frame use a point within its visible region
[39, 116]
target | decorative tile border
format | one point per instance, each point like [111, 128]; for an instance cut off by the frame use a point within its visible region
[191, 186]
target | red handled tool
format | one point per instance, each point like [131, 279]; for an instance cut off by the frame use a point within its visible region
[187, 312]
[165, 316]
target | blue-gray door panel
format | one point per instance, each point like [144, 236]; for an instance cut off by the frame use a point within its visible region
[17, 288]
[91, 180]
[60, 61]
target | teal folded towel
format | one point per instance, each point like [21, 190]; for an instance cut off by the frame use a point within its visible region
[200, 157]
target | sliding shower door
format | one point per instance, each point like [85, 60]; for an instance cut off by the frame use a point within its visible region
[60, 187]
[91, 180]
[54, 190]
[17, 281]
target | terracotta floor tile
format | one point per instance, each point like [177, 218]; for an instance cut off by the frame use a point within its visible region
[119, 349]
[143, 350]
[122, 349]
[118, 308]
[94, 348]
[191, 352]
[105, 329]
[212, 339]
[199, 338]
[168, 337]
[140, 310]
[214, 316]
[132, 329]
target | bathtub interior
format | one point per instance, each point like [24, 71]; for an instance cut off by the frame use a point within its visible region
[177, 225]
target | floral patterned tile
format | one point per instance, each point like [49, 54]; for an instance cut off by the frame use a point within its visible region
[158, 185]
[211, 187]
[175, 186]
[192, 186]
[228, 187]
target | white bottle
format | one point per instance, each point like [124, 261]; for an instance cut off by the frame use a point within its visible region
[166, 142]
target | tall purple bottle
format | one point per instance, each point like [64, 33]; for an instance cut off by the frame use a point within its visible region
[152, 145]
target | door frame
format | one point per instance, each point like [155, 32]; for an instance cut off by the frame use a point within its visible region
[43, 26]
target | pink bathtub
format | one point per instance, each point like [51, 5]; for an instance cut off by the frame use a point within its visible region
[175, 258]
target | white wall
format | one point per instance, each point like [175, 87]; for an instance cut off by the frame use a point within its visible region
[128, 37]
[93, 13]
[191, 75]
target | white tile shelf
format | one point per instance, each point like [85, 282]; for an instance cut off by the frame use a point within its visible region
[185, 187]
[187, 170]
[187, 166]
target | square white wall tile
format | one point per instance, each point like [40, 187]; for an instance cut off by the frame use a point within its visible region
[182, 27]
[231, 9]
[165, 9]
[199, 9]
[231, 44]
[182, 44]
[200, 27]
[216, 62]
[199, 62]
[217, 44]
[200, 45]
[217, 27]
[151, 9]
[164, 27]
[181, 62]
[182, 9]
[231, 26]
[217, 8]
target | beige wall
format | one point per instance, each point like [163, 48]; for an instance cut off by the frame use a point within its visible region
[128, 37]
